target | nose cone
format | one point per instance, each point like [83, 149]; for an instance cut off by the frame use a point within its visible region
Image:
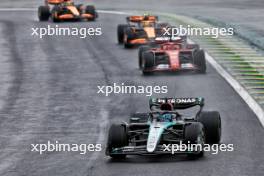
[154, 137]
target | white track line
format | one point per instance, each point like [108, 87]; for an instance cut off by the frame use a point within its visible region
[17, 9]
[256, 108]
[113, 12]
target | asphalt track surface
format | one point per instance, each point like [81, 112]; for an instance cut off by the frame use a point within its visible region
[49, 92]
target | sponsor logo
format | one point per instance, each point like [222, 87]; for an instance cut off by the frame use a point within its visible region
[177, 100]
[185, 100]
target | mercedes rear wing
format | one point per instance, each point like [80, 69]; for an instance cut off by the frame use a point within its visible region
[178, 103]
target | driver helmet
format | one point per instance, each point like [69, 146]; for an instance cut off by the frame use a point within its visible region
[166, 107]
[146, 15]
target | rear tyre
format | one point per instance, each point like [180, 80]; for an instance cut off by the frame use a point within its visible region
[148, 62]
[91, 10]
[121, 32]
[194, 134]
[211, 121]
[199, 61]
[141, 50]
[117, 137]
[43, 13]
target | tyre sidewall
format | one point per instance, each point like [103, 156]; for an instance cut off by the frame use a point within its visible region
[194, 134]
[211, 121]
[199, 60]
[43, 13]
[141, 50]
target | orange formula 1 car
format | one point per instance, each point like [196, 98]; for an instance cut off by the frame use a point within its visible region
[65, 10]
[139, 30]
[173, 55]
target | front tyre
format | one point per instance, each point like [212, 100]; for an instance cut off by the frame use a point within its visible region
[199, 61]
[91, 10]
[43, 13]
[141, 50]
[211, 121]
[121, 32]
[148, 63]
[194, 134]
[117, 138]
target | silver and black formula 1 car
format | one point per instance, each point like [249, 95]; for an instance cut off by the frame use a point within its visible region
[151, 133]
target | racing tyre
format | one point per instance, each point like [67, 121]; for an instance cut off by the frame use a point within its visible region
[148, 62]
[117, 138]
[141, 50]
[43, 13]
[120, 32]
[199, 61]
[91, 10]
[211, 121]
[194, 134]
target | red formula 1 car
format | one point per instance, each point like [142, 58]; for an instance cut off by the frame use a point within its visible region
[65, 10]
[171, 55]
[139, 30]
